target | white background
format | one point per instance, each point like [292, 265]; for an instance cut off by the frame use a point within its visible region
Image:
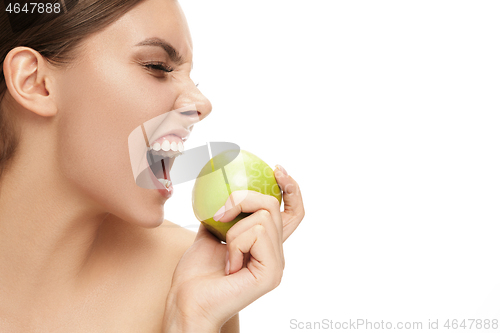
[387, 114]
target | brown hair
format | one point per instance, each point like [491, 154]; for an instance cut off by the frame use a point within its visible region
[58, 41]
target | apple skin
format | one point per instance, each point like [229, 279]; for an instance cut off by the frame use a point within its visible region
[210, 191]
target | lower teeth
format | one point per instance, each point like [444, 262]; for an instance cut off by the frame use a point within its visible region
[165, 182]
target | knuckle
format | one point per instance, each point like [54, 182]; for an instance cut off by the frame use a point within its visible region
[290, 189]
[264, 214]
[232, 247]
[273, 202]
[259, 229]
[239, 196]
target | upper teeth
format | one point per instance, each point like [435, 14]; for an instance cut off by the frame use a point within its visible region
[166, 146]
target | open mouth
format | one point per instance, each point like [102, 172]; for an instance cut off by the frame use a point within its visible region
[154, 145]
[160, 164]
[161, 155]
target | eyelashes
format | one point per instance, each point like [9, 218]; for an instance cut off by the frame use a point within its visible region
[159, 66]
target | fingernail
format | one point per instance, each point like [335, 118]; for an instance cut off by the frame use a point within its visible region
[227, 267]
[282, 169]
[220, 213]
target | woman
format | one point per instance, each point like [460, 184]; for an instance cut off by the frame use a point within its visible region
[80, 247]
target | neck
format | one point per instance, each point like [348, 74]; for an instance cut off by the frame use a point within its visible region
[47, 233]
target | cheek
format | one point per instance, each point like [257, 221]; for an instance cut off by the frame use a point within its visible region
[98, 111]
[95, 116]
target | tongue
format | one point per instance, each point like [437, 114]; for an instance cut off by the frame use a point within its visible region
[165, 171]
[160, 166]
[162, 169]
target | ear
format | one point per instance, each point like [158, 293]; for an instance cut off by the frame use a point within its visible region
[29, 80]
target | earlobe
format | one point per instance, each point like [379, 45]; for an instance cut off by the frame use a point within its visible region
[27, 79]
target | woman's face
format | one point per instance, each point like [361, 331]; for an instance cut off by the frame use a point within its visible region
[109, 91]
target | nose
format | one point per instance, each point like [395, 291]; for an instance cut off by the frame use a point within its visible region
[192, 95]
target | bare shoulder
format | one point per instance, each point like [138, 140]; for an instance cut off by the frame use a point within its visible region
[177, 238]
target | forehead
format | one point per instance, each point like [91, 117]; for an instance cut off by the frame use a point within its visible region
[151, 18]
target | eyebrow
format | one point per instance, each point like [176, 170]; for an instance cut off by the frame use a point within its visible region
[171, 51]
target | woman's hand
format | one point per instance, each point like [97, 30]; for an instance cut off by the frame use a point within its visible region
[213, 281]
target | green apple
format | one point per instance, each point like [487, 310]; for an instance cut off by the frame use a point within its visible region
[221, 176]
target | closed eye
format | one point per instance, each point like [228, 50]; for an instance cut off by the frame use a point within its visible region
[159, 66]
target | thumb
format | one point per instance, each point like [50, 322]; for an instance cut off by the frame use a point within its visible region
[292, 201]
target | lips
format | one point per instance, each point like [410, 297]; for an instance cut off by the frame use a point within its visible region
[166, 192]
[181, 134]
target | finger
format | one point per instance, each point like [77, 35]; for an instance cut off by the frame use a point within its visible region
[254, 241]
[293, 205]
[247, 201]
[263, 218]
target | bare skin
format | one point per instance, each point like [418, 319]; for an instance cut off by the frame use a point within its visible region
[87, 251]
